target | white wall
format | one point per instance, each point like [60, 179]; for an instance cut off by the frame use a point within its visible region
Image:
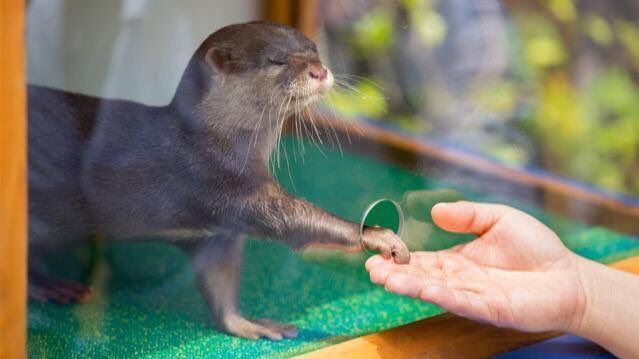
[132, 49]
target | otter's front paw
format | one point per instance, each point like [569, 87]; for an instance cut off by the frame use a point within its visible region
[387, 243]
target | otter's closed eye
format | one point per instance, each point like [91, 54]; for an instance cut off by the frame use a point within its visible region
[276, 62]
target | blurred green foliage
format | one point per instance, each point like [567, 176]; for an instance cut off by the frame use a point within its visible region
[571, 88]
[361, 99]
[373, 32]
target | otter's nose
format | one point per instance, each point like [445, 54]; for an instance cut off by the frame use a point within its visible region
[318, 72]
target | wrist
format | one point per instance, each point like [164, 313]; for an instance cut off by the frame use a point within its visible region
[588, 315]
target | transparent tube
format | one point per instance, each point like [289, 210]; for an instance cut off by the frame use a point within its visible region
[410, 218]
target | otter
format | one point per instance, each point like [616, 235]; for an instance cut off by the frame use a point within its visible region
[194, 172]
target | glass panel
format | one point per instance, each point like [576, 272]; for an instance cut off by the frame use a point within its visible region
[155, 151]
[548, 85]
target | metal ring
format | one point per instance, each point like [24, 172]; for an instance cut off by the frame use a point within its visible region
[362, 226]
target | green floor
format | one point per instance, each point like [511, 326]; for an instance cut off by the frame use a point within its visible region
[146, 303]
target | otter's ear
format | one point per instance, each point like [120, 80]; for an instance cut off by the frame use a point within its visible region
[219, 60]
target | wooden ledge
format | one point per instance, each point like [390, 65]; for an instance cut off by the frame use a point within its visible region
[443, 336]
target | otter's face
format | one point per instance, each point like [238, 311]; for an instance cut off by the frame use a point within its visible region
[298, 74]
[277, 65]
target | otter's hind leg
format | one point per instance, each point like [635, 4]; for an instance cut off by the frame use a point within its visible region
[44, 288]
[46, 233]
[217, 263]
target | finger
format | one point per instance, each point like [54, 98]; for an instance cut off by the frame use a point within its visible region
[408, 284]
[430, 276]
[468, 217]
[410, 280]
[379, 273]
[429, 265]
[423, 272]
[374, 261]
[424, 260]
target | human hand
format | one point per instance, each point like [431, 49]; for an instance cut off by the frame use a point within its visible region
[516, 273]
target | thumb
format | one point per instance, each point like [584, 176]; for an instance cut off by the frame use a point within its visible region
[468, 217]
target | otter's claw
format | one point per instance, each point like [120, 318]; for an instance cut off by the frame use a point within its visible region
[387, 243]
[43, 288]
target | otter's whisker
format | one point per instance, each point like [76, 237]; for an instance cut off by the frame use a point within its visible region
[355, 124]
[353, 89]
[273, 131]
[330, 126]
[335, 117]
[258, 125]
[288, 163]
[278, 130]
[358, 94]
[308, 133]
[252, 136]
[312, 123]
[358, 78]
[302, 119]
[348, 86]
[284, 116]
[302, 133]
[298, 132]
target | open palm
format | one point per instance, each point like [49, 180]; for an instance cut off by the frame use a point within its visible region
[516, 273]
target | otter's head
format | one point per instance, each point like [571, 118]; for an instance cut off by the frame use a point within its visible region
[263, 65]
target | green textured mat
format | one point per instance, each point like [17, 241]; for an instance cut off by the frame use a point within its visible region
[146, 303]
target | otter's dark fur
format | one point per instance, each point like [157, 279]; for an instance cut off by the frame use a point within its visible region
[194, 171]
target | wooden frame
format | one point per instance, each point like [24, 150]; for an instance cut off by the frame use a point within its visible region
[301, 14]
[13, 181]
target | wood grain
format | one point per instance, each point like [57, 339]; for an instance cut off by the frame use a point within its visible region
[13, 181]
[630, 265]
[443, 336]
[280, 11]
[307, 17]
[301, 14]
